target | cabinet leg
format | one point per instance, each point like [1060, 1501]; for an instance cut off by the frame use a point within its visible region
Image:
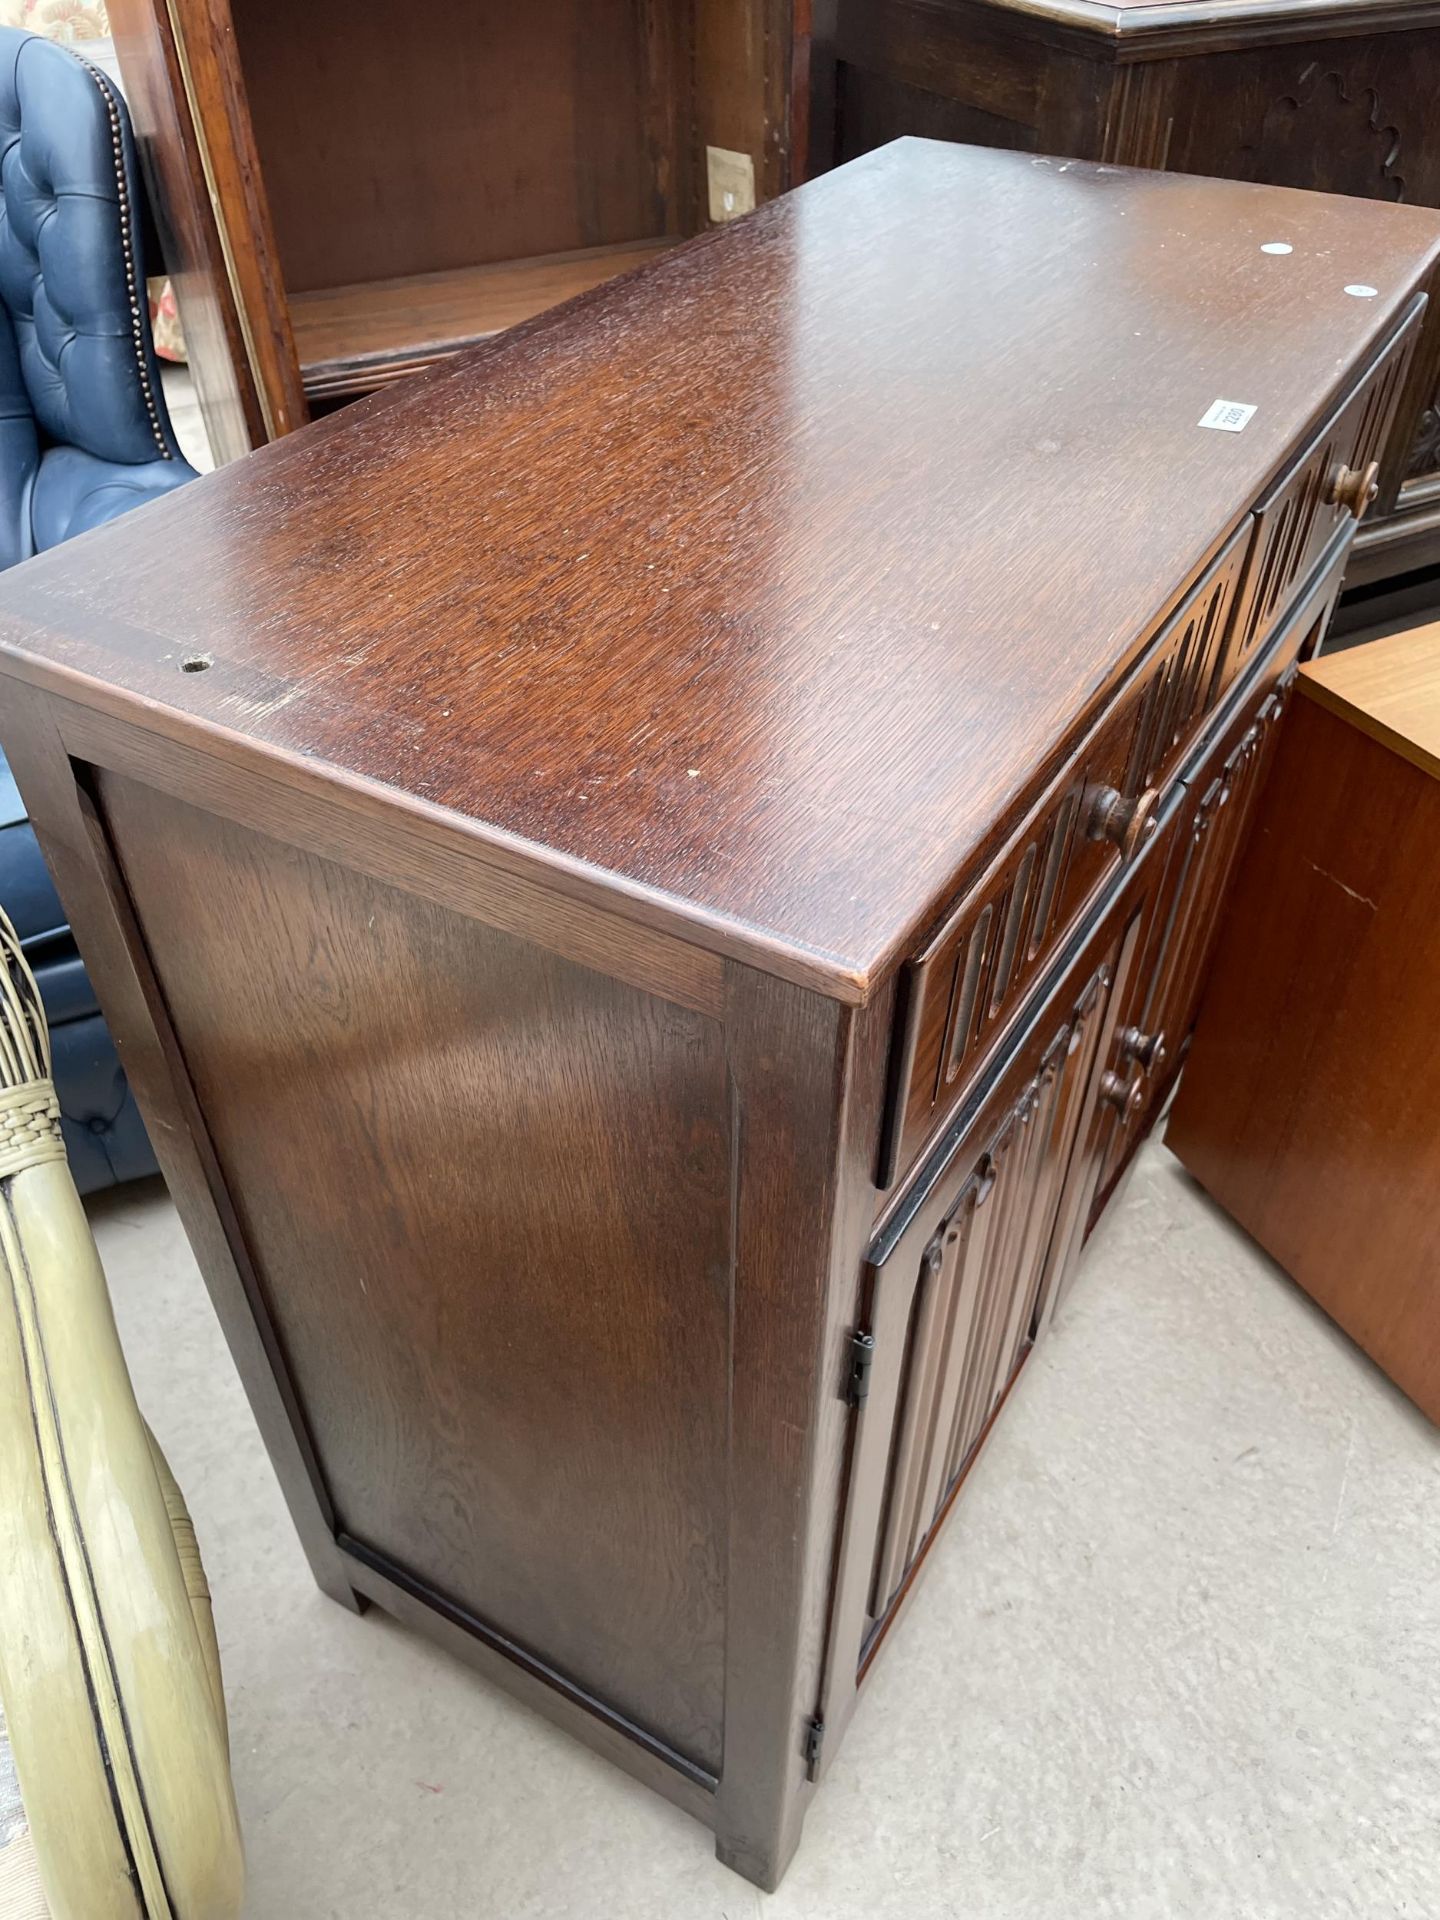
[761, 1859]
[327, 1569]
[344, 1595]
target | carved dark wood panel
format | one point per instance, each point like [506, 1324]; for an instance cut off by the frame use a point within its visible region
[1322, 113]
[1424, 458]
[1181, 685]
[971, 979]
[967, 1298]
[967, 984]
[1300, 520]
[1338, 116]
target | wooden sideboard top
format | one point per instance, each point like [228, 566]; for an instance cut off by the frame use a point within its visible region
[1210, 25]
[747, 595]
[1388, 688]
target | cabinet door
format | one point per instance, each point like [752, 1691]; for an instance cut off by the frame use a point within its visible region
[954, 1290]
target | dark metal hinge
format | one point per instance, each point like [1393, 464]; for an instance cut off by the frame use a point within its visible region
[814, 1741]
[862, 1358]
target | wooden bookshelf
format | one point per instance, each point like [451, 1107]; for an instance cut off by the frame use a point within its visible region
[351, 340]
[347, 194]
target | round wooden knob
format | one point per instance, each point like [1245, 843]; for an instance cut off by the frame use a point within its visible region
[1126, 1096]
[1123, 820]
[1355, 487]
[1147, 1050]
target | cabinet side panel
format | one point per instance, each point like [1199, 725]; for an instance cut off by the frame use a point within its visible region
[1307, 1108]
[487, 1193]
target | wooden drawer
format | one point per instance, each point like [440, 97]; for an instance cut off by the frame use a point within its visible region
[968, 983]
[1331, 484]
[1183, 682]
[1200, 840]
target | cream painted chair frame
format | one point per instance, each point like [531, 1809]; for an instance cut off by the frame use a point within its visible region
[108, 1665]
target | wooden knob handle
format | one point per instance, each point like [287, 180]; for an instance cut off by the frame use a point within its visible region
[1147, 1050]
[1125, 1095]
[1109, 814]
[1355, 487]
[985, 1180]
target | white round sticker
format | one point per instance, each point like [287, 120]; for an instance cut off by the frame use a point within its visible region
[1277, 246]
[1362, 292]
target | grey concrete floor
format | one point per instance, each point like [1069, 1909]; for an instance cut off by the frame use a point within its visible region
[1177, 1656]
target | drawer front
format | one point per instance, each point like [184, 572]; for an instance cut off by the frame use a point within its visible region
[1330, 487]
[966, 986]
[1183, 681]
[963, 990]
[1200, 843]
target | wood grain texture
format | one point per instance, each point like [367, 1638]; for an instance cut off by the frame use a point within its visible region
[1202, 25]
[667, 583]
[489, 132]
[964, 70]
[410, 850]
[568, 1478]
[997, 1271]
[483, 135]
[1310, 1108]
[207, 126]
[191, 243]
[1200, 837]
[1329, 97]
[494, 821]
[354, 339]
[506, 1666]
[100, 911]
[1389, 689]
[808, 1082]
[748, 83]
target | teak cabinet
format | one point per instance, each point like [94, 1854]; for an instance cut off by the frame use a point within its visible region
[649, 880]
[1324, 95]
[348, 193]
[1311, 1110]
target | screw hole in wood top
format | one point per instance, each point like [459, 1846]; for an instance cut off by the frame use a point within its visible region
[196, 662]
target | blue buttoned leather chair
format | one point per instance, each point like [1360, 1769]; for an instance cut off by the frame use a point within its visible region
[84, 435]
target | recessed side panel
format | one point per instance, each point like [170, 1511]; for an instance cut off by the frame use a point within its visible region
[487, 1192]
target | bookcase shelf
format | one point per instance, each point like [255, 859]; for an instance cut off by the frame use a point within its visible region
[351, 340]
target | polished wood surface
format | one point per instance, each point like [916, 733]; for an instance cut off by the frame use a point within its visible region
[1332, 95]
[750, 620]
[1389, 689]
[1224, 21]
[521, 829]
[1311, 1105]
[354, 339]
